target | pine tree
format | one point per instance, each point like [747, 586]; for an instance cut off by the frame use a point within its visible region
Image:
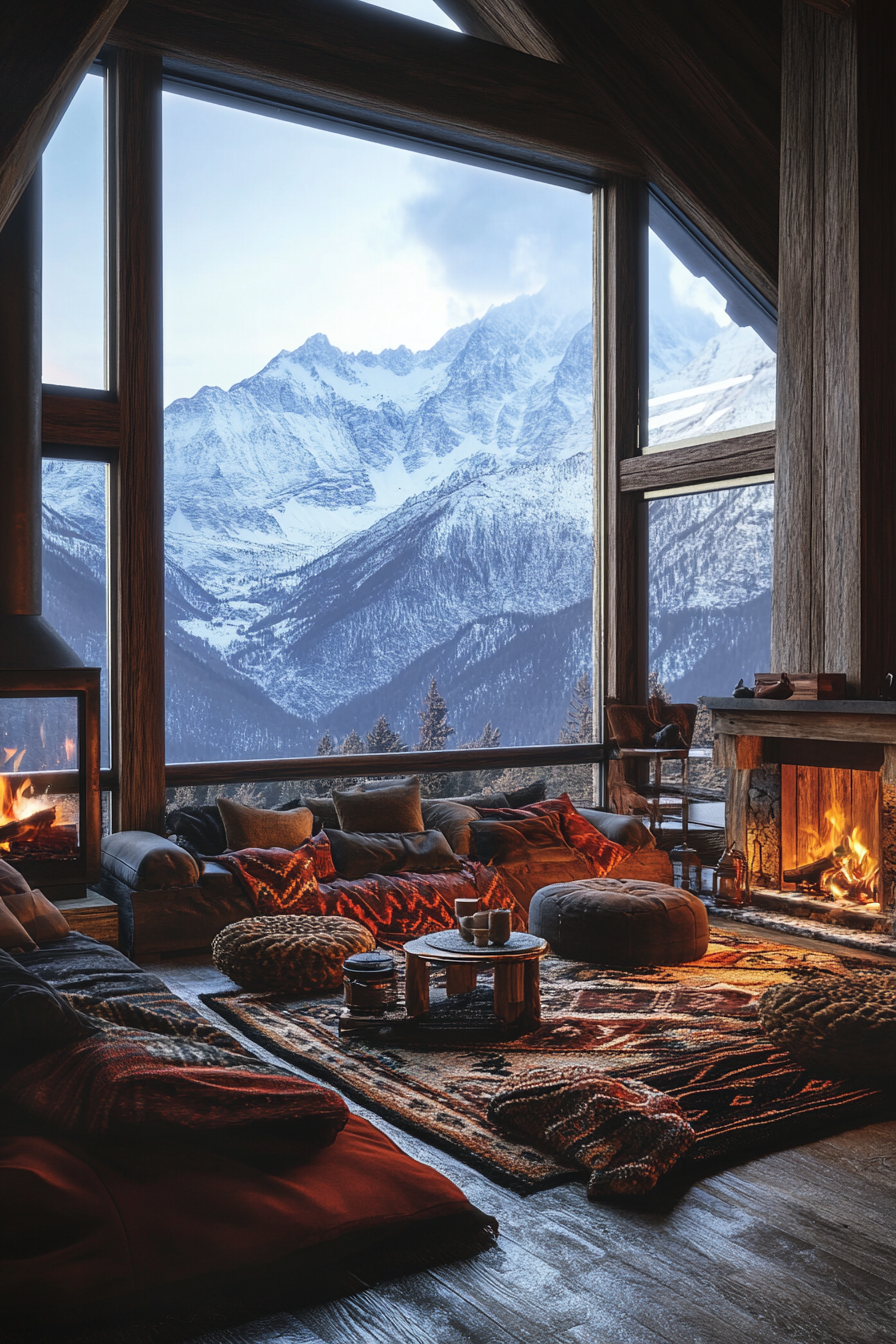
[352, 746]
[382, 738]
[325, 746]
[434, 729]
[491, 737]
[579, 726]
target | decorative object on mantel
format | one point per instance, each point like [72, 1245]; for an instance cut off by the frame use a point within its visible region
[888, 688]
[742, 692]
[730, 883]
[804, 685]
[782, 689]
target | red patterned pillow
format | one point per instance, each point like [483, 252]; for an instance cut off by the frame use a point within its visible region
[322, 855]
[276, 879]
[603, 854]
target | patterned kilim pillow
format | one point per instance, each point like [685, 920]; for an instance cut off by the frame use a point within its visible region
[836, 1026]
[299, 954]
[626, 1133]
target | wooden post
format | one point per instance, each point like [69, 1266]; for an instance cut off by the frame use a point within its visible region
[532, 991]
[509, 991]
[416, 985]
[460, 979]
[835, 487]
[137, 244]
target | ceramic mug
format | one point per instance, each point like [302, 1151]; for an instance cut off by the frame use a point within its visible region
[499, 926]
[480, 937]
[465, 927]
[480, 919]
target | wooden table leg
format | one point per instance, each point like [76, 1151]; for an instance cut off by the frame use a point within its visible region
[508, 989]
[532, 991]
[460, 979]
[416, 985]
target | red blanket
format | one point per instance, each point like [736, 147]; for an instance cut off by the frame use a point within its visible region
[396, 908]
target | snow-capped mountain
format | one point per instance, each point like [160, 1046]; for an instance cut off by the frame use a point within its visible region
[342, 527]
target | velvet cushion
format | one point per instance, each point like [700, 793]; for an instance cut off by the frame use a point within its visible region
[143, 1222]
[34, 1018]
[620, 923]
[452, 819]
[258, 828]
[14, 937]
[43, 921]
[540, 839]
[323, 810]
[602, 853]
[627, 831]
[357, 853]
[11, 879]
[396, 808]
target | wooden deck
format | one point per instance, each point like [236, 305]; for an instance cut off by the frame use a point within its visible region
[795, 1248]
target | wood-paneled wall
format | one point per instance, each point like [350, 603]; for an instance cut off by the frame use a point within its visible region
[834, 588]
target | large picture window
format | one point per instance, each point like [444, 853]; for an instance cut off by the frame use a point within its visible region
[378, 444]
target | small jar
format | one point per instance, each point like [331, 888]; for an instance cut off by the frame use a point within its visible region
[371, 982]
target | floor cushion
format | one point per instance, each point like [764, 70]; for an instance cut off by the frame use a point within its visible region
[156, 1223]
[836, 1026]
[620, 922]
[300, 954]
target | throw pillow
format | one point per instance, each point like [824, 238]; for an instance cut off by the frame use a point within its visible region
[390, 782]
[537, 840]
[41, 919]
[200, 830]
[13, 936]
[34, 1018]
[357, 854]
[452, 819]
[323, 810]
[625, 1133]
[627, 831]
[603, 854]
[322, 856]
[529, 793]
[480, 800]
[257, 828]
[11, 879]
[381, 810]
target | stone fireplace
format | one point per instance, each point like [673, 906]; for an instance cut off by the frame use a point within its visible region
[812, 803]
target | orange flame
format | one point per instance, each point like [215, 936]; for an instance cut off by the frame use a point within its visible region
[854, 874]
[13, 805]
[69, 748]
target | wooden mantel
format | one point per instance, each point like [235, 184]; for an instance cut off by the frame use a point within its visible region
[750, 733]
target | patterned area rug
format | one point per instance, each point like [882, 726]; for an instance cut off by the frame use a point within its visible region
[691, 1031]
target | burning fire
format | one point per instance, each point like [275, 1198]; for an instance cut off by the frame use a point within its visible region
[853, 875]
[28, 826]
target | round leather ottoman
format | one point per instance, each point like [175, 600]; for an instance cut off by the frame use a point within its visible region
[836, 1026]
[620, 923]
[298, 954]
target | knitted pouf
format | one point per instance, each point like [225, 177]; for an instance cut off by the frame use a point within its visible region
[298, 954]
[619, 922]
[625, 1133]
[836, 1026]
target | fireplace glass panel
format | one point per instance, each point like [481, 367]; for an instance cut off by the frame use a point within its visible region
[38, 739]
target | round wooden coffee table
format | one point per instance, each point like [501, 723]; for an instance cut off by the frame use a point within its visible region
[517, 984]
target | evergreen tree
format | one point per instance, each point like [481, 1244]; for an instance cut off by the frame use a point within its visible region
[352, 746]
[325, 746]
[382, 738]
[434, 729]
[579, 726]
[491, 737]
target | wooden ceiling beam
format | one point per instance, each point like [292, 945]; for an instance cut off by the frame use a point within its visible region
[695, 84]
[341, 58]
[48, 45]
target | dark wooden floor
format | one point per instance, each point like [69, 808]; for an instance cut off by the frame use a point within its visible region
[795, 1247]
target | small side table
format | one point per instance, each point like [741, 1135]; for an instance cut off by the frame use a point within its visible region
[517, 979]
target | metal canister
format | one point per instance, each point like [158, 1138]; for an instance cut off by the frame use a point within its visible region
[371, 982]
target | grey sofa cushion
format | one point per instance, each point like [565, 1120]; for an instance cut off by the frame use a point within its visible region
[627, 831]
[144, 861]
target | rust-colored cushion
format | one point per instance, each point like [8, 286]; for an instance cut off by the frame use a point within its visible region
[259, 828]
[14, 937]
[620, 923]
[40, 918]
[11, 879]
[396, 808]
[134, 1219]
[452, 819]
